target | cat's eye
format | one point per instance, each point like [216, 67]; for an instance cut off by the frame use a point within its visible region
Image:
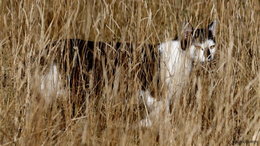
[212, 47]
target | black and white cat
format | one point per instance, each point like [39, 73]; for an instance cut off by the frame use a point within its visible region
[72, 58]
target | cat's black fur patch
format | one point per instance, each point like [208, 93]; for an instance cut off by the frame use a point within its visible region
[79, 60]
[202, 35]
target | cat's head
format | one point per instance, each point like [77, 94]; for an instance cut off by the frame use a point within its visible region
[201, 42]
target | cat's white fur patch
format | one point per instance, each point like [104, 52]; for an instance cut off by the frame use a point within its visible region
[151, 105]
[147, 98]
[211, 43]
[51, 84]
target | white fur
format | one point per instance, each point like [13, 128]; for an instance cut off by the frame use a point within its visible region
[51, 84]
[174, 60]
[212, 50]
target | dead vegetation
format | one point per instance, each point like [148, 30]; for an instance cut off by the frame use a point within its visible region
[220, 106]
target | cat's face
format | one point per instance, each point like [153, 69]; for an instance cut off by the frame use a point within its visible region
[202, 46]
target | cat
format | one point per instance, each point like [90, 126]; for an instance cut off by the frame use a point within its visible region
[79, 65]
[176, 63]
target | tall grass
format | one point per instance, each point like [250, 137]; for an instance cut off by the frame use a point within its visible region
[220, 106]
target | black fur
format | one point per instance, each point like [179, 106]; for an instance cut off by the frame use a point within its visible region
[202, 35]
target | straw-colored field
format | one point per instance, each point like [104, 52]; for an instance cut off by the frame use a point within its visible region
[220, 106]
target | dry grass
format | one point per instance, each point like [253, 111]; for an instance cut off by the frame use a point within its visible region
[221, 106]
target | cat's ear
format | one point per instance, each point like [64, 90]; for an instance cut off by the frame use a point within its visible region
[212, 27]
[187, 30]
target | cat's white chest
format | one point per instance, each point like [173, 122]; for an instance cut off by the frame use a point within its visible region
[175, 62]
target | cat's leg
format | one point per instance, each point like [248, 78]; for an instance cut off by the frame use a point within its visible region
[147, 99]
[153, 109]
